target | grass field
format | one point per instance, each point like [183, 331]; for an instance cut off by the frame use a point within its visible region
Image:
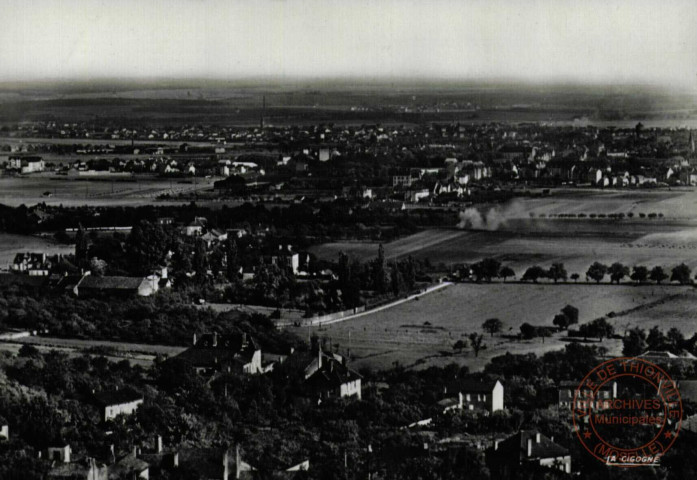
[400, 334]
[11, 244]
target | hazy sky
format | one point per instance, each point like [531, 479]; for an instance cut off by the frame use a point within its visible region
[579, 40]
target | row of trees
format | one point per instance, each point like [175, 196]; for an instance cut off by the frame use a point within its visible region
[617, 272]
[490, 268]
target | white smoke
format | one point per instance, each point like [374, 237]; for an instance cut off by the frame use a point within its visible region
[491, 219]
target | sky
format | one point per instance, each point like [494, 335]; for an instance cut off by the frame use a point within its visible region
[607, 41]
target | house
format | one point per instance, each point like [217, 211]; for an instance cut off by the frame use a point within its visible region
[283, 257]
[94, 286]
[506, 457]
[471, 395]
[129, 466]
[214, 236]
[401, 180]
[26, 165]
[567, 391]
[327, 375]
[118, 402]
[236, 353]
[416, 195]
[33, 264]
[86, 469]
[196, 227]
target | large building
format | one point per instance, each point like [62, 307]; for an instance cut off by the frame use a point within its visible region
[233, 353]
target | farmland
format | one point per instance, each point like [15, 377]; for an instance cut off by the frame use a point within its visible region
[524, 233]
[402, 333]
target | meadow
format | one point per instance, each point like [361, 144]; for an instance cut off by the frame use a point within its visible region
[422, 332]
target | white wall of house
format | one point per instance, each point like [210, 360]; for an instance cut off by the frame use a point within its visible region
[112, 411]
[350, 389]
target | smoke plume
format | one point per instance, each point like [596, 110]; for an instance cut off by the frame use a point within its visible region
[491, 219]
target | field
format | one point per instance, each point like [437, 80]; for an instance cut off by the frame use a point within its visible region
[518, 239]
[401, 333]
[11, 244]
[30, 190]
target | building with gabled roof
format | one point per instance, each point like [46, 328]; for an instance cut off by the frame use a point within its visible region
[473, 394]
[327, 375]
[233, 353]
[505, 458]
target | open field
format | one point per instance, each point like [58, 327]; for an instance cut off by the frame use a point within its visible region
[29, 190]
[519, 240]
[11, 244]
[400, 333]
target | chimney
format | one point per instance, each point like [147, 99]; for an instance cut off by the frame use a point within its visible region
[529, 447]
[537, 437]
[496, 444]
[238, 462]
[226, 468]
[319, 358]
[215, 339]
[175, 459]
[135, 451]
[158, 444]
[194, 339]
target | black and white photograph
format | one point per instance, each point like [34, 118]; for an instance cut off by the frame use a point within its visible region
[351, 240]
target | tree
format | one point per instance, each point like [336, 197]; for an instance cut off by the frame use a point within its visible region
[146, 247]
[200, 260]
[561, 321]
[676, 339]
[396, 280]
[476, 339]
[656, 340]
[575, 277]
[487, 269]
[596, 272]
[534, 273]
[460, 345]
[634, 343]
[492, 326]
[557, 272]
[640, 274]
[599, 328]
[658, 274]
[98, 267]
[528, 331]
[232, 260]
[379, 274]
[506, 272]
[681, 274]
[82, 246]
[572, 314]
[617, 272]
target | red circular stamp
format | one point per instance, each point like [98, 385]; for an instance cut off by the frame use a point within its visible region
[627, 412]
